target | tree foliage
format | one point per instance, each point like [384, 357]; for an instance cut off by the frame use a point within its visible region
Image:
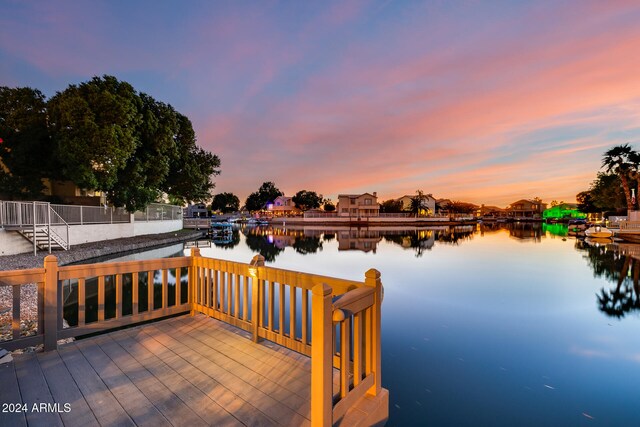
[305, 200]
[265, 194]
[417, 204]
[461, 207]
[391, 206]
[93, 127]
[623, 161]
[103, 135]
[26, 149]
[605, 194]
[225, 202]
[328, 206]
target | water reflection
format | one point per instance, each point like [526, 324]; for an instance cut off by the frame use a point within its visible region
[271, 241]
[619, 263]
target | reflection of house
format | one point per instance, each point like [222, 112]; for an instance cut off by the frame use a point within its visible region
[428, 203]
[526, 209]
[526, 231]
[283, 206]
[357, 239]
[358, 205]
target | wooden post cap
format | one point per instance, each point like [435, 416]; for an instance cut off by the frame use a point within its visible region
[50, 258]
[321, 289]
[372, 274]
[195, 251]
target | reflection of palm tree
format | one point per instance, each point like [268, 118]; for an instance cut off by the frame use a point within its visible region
[625, 297]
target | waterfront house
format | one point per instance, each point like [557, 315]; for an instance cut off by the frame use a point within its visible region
[428, 203]
[283, 206]
[526, 208]
[358, 205]
[198, 210]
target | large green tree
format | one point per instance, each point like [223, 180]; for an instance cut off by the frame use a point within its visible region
[93, 126]
[102, 135]
[265, 194]
[26, 149]
[191, 167]
[305, 200]
[225, 202]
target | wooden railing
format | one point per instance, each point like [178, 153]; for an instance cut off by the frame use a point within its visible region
[334, 321]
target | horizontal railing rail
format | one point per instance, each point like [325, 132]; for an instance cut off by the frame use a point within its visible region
[159, 212]
[81, 215]
[334, 321]
[629, 225]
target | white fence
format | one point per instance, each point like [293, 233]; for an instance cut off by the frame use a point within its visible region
[159, 212]
[81, 215]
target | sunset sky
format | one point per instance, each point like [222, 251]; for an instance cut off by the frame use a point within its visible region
[486, 102]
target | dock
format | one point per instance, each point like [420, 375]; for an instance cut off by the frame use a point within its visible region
[214, 362]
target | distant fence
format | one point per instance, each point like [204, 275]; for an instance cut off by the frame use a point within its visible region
[159, 212]
[81, 215]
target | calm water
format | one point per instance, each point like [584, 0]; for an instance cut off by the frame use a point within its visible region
[485, 326]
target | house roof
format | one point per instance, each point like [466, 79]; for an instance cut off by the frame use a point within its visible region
[356, 195]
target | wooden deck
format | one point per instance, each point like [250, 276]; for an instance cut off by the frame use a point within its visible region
[185, 371]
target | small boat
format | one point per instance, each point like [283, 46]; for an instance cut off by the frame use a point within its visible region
[598, 231]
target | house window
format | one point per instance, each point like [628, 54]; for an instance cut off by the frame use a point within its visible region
[367, 202]
[354, 210]
[353, 200]
[345, 210]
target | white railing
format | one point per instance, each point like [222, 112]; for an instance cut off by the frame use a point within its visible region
[159, 212]
[81, 215]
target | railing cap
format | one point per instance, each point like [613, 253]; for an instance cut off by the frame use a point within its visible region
[372, 274]
[50, 258]
[322, 289]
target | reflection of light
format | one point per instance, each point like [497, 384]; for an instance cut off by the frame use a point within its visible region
[270, 238]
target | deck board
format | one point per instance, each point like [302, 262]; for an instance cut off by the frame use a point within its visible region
[35, 391]
[104, 405]
[10, 394]
[185, 371]
[65, 390]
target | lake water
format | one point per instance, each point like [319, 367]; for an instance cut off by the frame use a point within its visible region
[503, 325]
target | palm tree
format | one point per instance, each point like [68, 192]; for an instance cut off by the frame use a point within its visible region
[622, 160]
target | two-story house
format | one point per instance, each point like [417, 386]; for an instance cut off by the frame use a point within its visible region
[358, 205]
[283, 206]
[526, 208]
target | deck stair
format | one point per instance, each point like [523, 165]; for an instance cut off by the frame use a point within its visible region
[42, 238]
[37, 222]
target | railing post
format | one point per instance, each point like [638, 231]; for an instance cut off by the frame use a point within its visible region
[35, 248]
[81, 215]
[256, 286]
[372, 278]
[193, 281]
[50, 302]
[49, 226]
[321, 356]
